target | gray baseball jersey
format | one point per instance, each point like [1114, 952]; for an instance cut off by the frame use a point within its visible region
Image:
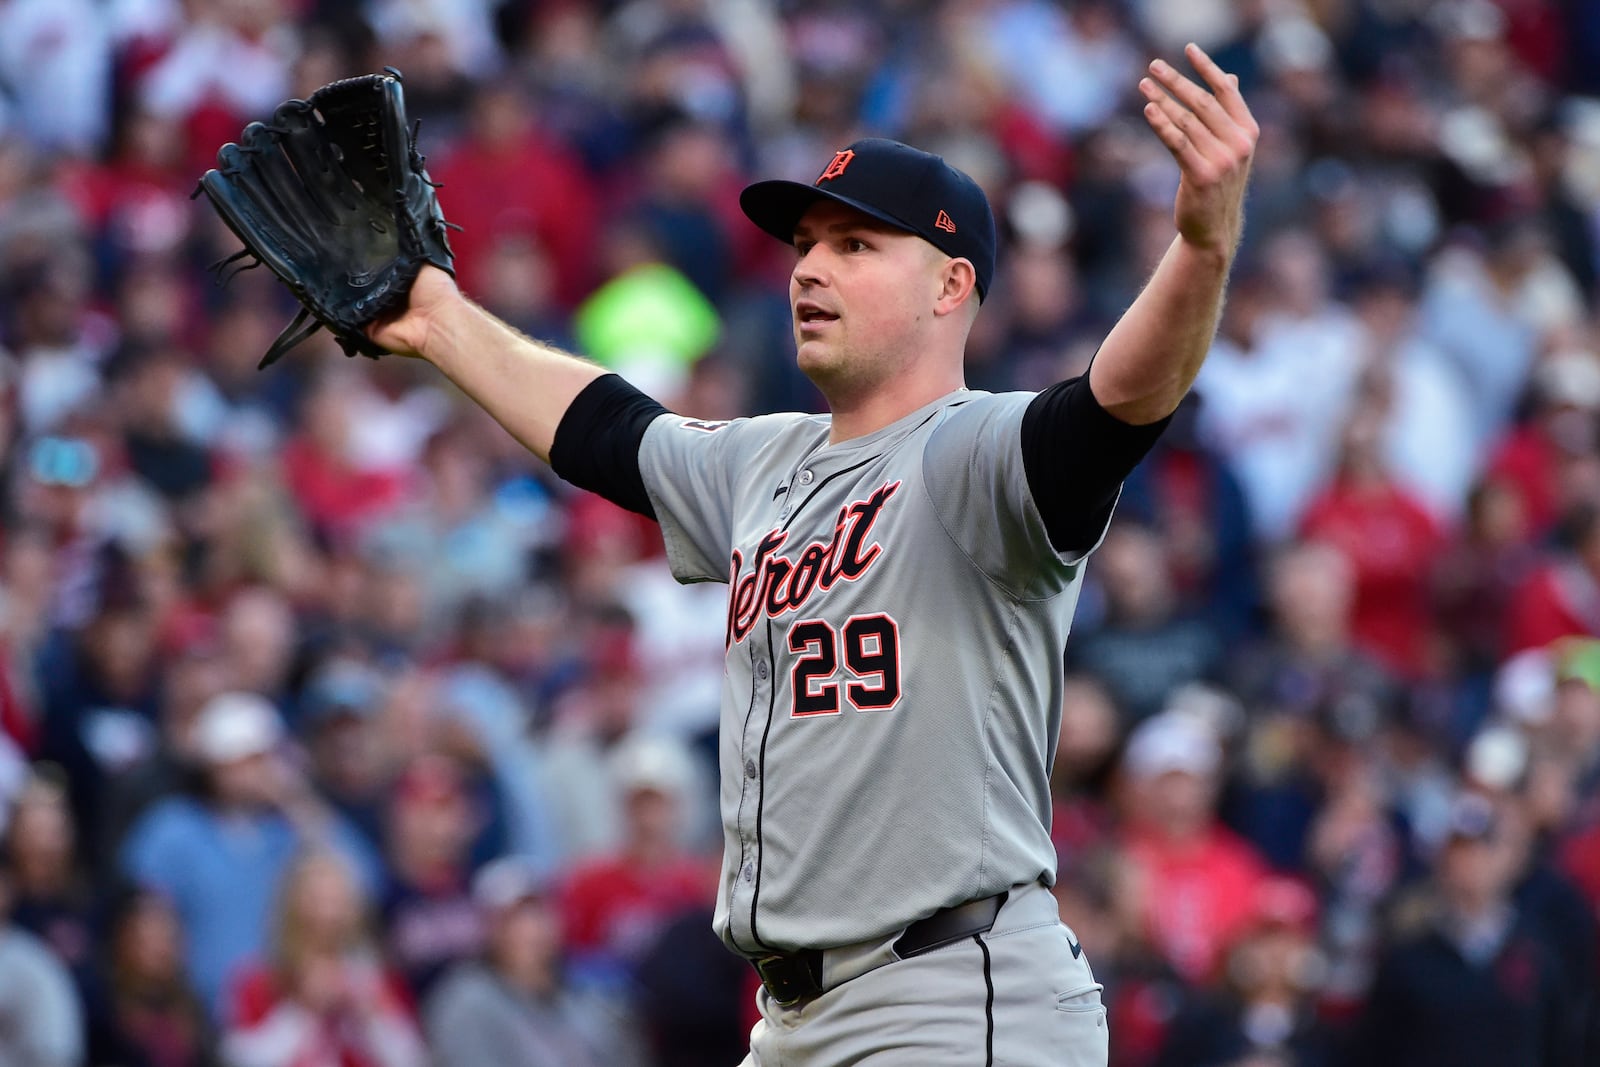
[891, 698]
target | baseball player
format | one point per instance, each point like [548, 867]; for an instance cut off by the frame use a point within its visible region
[902, 574]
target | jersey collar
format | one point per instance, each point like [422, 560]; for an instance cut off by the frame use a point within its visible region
[878, 439]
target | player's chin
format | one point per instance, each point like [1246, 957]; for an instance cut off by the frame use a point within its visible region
[813, 353]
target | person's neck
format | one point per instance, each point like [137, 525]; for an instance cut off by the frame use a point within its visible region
[1365, 480]
[430, 873]
[1181, 835]
[1470, 910]
[42, 882]
[649, 853]
[534, 980]
[1321, 644]
[884, 406]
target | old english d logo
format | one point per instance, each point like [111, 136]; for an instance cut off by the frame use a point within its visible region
[944, 222]
[836, 166]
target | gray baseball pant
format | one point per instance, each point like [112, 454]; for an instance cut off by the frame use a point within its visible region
[1021, 995]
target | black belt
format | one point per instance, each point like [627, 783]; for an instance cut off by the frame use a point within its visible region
[791, 977]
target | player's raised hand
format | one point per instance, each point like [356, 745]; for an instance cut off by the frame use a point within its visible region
[405, 332]
[1213, 136]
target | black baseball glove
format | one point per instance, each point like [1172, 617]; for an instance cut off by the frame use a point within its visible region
[331, 195]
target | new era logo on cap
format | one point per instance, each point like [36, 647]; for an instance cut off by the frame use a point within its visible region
[909, 189]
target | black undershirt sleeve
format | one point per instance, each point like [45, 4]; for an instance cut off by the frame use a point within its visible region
[1076, 454]
[596, 446]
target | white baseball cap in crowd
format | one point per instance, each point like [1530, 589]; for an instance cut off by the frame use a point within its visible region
[1569, 377]
[659, 763]
[506, 881]
[1525, 686]
[236, 726]
[1497, 757]
[1172, 741]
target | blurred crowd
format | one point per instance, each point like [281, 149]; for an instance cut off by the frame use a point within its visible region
[335, 732]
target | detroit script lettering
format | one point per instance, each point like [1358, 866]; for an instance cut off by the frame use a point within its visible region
[777, 584]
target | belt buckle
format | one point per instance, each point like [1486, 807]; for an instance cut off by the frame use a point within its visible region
[784, 991]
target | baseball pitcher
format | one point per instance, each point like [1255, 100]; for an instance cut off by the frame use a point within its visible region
[901, 572]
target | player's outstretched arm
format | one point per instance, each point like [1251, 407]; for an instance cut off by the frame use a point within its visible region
[1152, 355]
[526, 385]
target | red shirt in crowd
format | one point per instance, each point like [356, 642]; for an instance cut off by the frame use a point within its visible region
[334, 495]
[141, 207]
[531, 189]
[374, 1028]
[1391, 541]
[1199, 893]
[613, 907]
[1526, 461]
[1559, 599]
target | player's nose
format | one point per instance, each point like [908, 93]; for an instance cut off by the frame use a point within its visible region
[810, 269]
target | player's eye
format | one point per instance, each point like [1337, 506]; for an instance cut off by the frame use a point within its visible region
[802, 247]
[855, 244]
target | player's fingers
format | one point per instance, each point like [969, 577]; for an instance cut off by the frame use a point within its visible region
[1201, 146]
[1204, 106]
[1225, 86]
[1183, 150]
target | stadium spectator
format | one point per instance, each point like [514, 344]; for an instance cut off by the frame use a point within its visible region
[1241, 414]
[1306, 659]
[1489, 555]
[1428, 441]
[1195, 880]
[1389, 539]
[514, 1006]
[100, 690]
[226, 64]
[1149, 642]
[321, 997]
[1265, 1009]
[1087, 751]
[1469, 984]
[49, 897]
[55, 61]
[694, 998]
[615, 906]
[144, 1013]
[348, 764]
[429, 920]
[506, 177]
[589, 721]
[1479, 308]
[1279, 380]
[221, 854]
[135, 198]
[337, 494]
[1536, 457]
[1561, 597]
[41, 1008]
[1190, 495]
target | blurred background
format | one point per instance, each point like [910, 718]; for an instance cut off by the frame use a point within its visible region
[335, 732]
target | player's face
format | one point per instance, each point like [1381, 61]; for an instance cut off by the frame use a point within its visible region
[860, 292]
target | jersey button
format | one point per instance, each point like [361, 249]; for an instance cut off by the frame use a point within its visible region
[761, 670]
[749, 768]
[749, 872]
[806, 477]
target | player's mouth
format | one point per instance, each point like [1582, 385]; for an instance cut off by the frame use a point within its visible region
[811, 317]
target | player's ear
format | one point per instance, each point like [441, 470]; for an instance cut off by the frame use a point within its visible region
[958, 282]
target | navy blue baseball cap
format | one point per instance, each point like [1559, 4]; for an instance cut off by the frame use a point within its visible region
[906, 188]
